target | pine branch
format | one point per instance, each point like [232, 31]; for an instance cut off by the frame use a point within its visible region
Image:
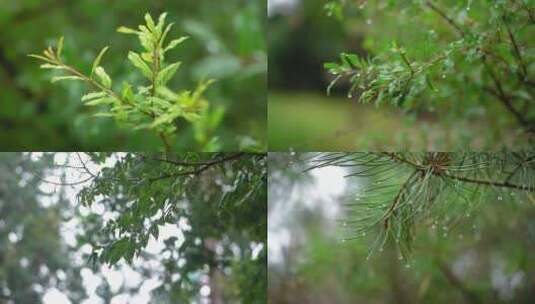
[410, 188]
[504, 184]
[398, 198]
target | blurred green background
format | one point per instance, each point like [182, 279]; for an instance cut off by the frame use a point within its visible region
[302, 37]
[227, 43]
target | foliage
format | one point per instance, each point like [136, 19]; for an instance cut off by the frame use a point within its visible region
[33, 256]
[407, 190]
[227, 43]
[155, 106]
[216, 200]
[440, 54]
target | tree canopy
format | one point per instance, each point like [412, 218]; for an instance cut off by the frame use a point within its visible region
[194, 222]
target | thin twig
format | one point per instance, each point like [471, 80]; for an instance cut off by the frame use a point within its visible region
[504, 184]
[445, 17]
[469, 296]
[200, 169]
[398, 198]
[516, 49]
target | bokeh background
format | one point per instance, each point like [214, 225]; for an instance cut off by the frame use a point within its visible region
[302, 37]
[227, 43]
[485, 258]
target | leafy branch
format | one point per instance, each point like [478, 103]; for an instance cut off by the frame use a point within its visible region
[153, 106]
[494, 45]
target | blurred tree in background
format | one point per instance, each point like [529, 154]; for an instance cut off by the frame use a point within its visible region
[227, 43]
[33, 255]
[476, 250]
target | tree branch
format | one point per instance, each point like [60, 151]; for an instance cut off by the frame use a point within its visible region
[516, 50]
[445, 17]
[398, 198]
[505, 184]
[201, 168]
[469, 296]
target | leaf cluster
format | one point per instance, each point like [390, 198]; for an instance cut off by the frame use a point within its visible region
[152, 106]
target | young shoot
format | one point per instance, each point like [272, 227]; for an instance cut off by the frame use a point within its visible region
[150, 105]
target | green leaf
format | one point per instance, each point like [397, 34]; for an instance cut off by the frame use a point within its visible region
[150, 23]
[192, 117]
[104, 78]
[100, 101]
[154, 231]
[60, 78]
[330, 66]
[40, 58]
[146, 39]
[159, 101]
[96, 63]
[117, 250]
[140, 64]
[93, 95]
[161, 22]
[350, 60]
[59, 47]
[174, 43]
[166, 74]
[164, 35]
[127, 92]
[52, 67]
[127, 30]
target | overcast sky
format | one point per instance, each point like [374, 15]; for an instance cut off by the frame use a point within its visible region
[327, 185]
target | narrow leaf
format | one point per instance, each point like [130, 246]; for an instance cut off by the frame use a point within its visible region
[96, 63]
[150, 23]
[127, 91]
[164, 35]
[161, 21]
[104, 78]
[59, 49]
[167, 73]
[127, 30]
[52, 67]
[60, 78]
[175, 43]
[100, 101]
[93, 95]
[140, 64]
[40, 57]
